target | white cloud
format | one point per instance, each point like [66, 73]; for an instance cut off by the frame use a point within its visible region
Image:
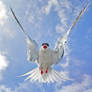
[49, 6]
[24, 87]
[5, 26]
[83, 86]
[66, 12]
[35, 17]
[3, 64]
[29, 87]
[3, 15]
[60, 29]
[4, 89]
[63, 9]
[7, 32]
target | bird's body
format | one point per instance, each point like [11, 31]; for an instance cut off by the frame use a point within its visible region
[45, 57]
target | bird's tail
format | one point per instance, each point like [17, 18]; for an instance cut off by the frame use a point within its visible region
[51, 76]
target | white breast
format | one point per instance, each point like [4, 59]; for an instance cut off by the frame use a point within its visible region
[45, 57]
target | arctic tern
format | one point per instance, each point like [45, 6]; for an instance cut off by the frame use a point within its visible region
[46, 57]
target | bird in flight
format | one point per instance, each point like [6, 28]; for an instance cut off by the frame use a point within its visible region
[45, 57]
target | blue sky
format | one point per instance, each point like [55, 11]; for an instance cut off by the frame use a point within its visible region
[45, 21]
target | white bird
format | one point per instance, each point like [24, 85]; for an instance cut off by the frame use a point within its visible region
[46, 57]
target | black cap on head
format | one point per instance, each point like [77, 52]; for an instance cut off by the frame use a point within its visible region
[45, 44]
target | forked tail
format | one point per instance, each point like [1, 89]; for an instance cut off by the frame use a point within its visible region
[51, 76]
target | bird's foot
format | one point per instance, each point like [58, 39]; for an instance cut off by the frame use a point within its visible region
[41, 71]
[46, 71]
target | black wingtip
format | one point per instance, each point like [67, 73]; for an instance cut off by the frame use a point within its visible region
[17, 21]
[11, 9]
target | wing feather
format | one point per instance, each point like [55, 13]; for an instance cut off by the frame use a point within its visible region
[32, 53]
[59, 47]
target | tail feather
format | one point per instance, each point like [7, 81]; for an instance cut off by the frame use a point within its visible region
[51, 76]
[33, 75]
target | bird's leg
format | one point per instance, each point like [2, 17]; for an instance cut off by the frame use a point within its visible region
[41, 71]
[46, 71]
[41, 68]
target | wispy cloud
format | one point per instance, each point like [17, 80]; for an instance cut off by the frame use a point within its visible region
[82, 86]
[62, 8]
[3, 88]
[5, 24]
[34, 14]
[27, 86]
[5, 32]
[48, 7]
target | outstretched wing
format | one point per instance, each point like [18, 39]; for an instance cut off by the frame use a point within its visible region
[32, 53]
[59, 47]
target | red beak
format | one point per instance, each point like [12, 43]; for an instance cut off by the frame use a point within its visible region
[45, 47]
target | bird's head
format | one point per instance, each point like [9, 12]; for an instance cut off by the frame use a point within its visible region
[45, 46]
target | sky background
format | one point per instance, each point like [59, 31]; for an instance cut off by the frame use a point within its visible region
[45, 21]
